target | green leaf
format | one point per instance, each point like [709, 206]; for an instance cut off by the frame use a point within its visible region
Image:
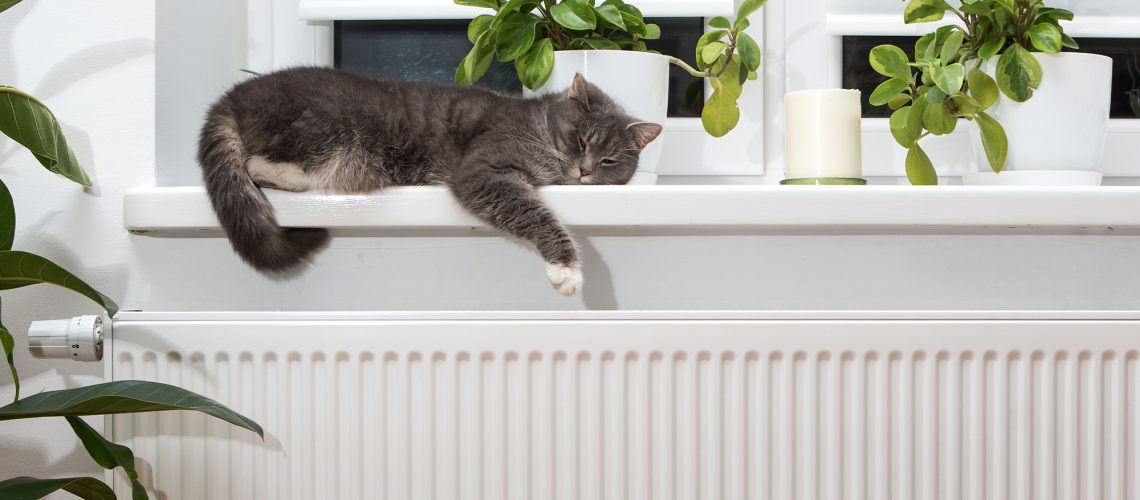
[634, 24]
[951, 47]
[30, 488]
[899, 128]
[994, 141]
[983, 89]
[914, 124]
[1046, 37]
[925, 11]
[720, 114]
[1018, 73]
[741, 24]
[749, 50]
[949, 79]
[535, 67]
[919, 170]
[31, 124]
[124, 396]
[108, 455]
[574, 14]
[609, 15]
[731, 80]
[891, 61]
[712, 52]
[707, 38]
[990, 49]
[514, 36]
[20, 269]
[720, 22]
[652, 31]
[1068, 42]
[888, 90]
[937, 119]
[7, 4]
[9, 345]
[476, 63]
[966, 105]
[899, 101]
[747, 7]
[1053, 14]
[478, 26]
[488, 4]
[597, 43]
[7, 218]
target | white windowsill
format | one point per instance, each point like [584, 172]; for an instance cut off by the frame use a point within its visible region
[892, 209]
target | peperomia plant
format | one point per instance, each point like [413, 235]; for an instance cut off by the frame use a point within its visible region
[950, 83]
[528, 32]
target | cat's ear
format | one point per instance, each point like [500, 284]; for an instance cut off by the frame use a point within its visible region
[579, 91]
[643, 133]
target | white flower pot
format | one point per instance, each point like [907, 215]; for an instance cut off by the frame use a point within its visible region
[1059, 134]
[637, 81]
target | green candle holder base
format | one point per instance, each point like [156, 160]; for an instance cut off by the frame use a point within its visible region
[824, 181]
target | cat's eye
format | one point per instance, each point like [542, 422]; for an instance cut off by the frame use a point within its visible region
[606, 162]
[581, 143]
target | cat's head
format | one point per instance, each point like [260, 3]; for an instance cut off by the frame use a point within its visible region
[600, 142]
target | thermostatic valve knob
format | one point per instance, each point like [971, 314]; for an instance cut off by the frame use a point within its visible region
[79, 338]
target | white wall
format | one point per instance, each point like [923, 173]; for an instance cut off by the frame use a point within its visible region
[93, 64]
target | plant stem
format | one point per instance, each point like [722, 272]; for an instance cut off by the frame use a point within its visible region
[688, 69]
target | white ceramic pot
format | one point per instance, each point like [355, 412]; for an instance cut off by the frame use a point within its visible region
[1060, 133]
[637, 81]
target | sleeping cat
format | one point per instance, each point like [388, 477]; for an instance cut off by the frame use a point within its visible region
[313, 128]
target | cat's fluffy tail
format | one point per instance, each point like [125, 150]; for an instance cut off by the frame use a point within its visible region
[242, 208]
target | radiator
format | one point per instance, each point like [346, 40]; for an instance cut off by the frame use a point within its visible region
[638, 406]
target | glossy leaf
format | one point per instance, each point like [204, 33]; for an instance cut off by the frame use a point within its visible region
[31, 124]
[899, 101]
[574, 14]
[888, 90]
[938, 120]
[7, 4]
[1018, 73]
[9, 345]
[899, 128]
[1046, 37]
[914, 124]
[534, 67]
[919, 170]
[30, 488]
[990, 49]
[7, 218]
[476, 63]
[488, 4]
[712, 52]
[634, 24]
[983, 89]
[750, 54]
[949, 79]
[994, 141]
[966, 105]
[925, 11]
[478, 26]
[108, 455]
[747, 7]
[597, 43]
[609, 15]
[20, 269]
[125, 396]
[720, 22]
[951, 47]
[891, 61]
[514, 36]
[707, 38]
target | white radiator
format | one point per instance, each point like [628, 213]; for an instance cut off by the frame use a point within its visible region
[639, 406]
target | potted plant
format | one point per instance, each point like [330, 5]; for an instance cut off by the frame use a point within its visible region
[552, 40]
[1004, 53]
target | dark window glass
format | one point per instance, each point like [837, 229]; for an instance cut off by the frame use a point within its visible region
[1125, 53]
[430, 50]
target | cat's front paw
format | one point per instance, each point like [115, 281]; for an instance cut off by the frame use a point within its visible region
[567, 279]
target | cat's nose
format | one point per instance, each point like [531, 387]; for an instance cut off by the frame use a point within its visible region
[583, 171]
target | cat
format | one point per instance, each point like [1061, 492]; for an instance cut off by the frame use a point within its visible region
[307, 129]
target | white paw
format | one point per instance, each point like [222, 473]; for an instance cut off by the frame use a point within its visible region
[566, 279]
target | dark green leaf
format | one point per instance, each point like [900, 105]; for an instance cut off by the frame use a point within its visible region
[994, 141]
[1068, 42]
[888, 90]
[535, 67]
[108, 455]
[899, 128]
[891, 61]
[597, 43]
[1053, 14]
[741, 24]
[949, 79]
[30, 123]
[514, 36]
[1046, 38]
[574, 14]
[9, 345]
[919, 169]
[610, 16]
[20, 269]
[925, 11]
[749, 51]
[1018, 73]
[720, 22]
[7, 218]
[7, 4]
[983, 89]
[125, 396]
[488, 4]
[634, 24]
[747, 7]
[476, 63]
[478, 26]
[30, 488]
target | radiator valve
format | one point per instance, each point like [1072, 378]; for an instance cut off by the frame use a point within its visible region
[79, 338]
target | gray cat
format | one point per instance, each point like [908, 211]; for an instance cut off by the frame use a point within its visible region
[314, 128]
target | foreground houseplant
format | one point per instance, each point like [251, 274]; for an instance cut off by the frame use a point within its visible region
[28, 122]
[541, 35]
[982, 70]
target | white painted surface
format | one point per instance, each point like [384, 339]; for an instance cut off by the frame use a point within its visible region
[830, 209]
[609, 408]
[93, 64]
[324, 10]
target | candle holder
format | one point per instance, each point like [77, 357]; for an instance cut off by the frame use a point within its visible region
[824, 135]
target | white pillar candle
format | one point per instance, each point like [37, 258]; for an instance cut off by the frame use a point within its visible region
[823, 134]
